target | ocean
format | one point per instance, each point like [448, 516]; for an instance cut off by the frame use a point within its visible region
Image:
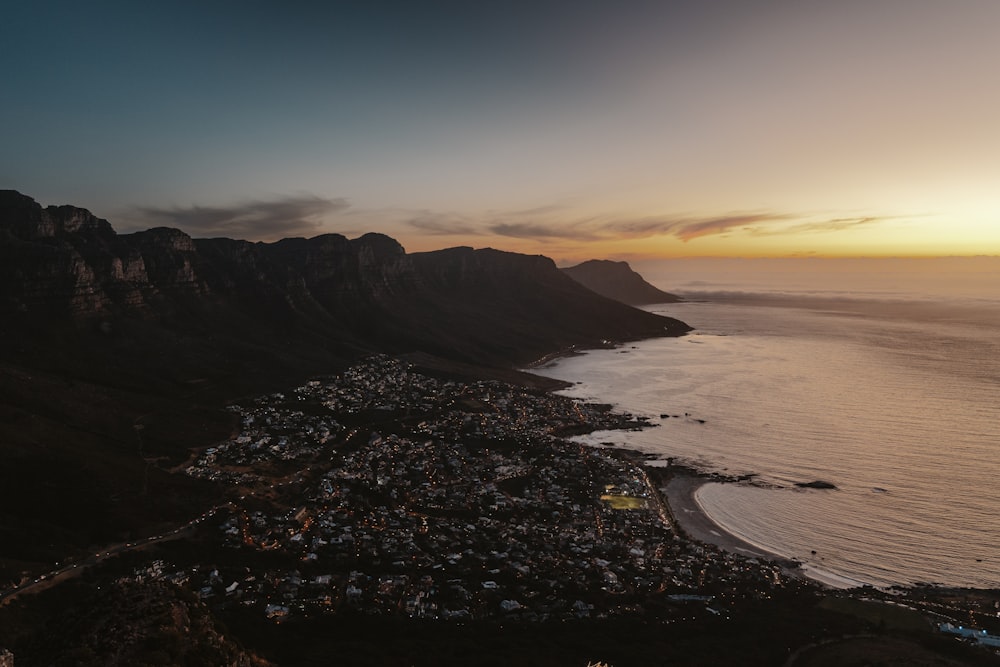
[885, 383]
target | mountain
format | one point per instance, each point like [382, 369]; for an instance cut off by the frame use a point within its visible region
[617, 280]
[118, 352]
[160, 307]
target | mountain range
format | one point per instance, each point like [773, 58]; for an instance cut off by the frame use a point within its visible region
[118, 352]
[617, 280]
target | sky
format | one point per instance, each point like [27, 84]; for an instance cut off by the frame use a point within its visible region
[577, 129]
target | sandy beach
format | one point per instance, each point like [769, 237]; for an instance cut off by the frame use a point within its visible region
[680, 493]
[680, 496]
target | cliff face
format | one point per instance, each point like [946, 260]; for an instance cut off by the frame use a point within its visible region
[117, 350]
[617, 280]
[523, 304]
[64, 261]
[64, 264]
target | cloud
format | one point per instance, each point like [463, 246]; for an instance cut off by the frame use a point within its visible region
[547, 209]
[442, 224]
[300, 215]
[544, 224]
[712, 226]
[832, 225]
[560, 223]
[754, 224]
[687, 229]
[516, 224]
[541, 232]
[539, 223]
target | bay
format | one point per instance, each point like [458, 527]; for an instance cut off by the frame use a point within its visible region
[893, 398]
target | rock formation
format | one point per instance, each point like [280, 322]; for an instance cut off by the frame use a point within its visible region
[617, 280]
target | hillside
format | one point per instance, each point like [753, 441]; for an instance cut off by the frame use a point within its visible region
[617, 280]
[118, 352]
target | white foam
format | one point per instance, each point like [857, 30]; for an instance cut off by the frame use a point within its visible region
[830, 579]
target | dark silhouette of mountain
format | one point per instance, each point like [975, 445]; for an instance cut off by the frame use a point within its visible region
[617, 280]
[118, 351]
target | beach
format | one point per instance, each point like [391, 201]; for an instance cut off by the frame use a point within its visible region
[873, 402]
[691, 518]
[681, 493]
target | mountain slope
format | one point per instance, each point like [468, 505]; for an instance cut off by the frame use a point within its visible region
[118, 352]
[617, 280]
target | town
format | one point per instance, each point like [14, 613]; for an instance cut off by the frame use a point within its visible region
[401, 499]
[388, 491]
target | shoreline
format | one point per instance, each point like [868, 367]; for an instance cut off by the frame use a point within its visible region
[681, 494]
[679, 486]
[697, 525]
[566, 352]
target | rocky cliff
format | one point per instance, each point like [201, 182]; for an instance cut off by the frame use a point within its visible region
[617, 280]
[118, 351]
[62, 265]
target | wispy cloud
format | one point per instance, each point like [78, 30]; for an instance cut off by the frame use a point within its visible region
[300, 215]
[442, 224]
[522, 224]
[712, 226]
[547, 223]
[832, 225]
[686, 229]
[543, 231]
[540, 223]
[767, 223]
[562, 224]
[536, 211]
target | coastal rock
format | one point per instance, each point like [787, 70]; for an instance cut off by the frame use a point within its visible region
[817, 484]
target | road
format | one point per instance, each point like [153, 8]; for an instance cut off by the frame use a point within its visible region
[68, 571]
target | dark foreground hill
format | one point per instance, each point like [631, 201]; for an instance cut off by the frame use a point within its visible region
[117, 352]
[617, 280]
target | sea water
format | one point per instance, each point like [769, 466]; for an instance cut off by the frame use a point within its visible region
[891, 395]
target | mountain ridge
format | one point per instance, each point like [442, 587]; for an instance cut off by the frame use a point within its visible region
[118, 350]
[617, 280]
[65, 263]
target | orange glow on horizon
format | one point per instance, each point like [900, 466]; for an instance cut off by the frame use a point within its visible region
[890, 237]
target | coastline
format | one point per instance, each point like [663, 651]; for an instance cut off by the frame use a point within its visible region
[679, 487]
[692, 519]
[681, 493]
[571, 351]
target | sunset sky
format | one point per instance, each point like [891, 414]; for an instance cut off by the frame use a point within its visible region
[572, 129]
